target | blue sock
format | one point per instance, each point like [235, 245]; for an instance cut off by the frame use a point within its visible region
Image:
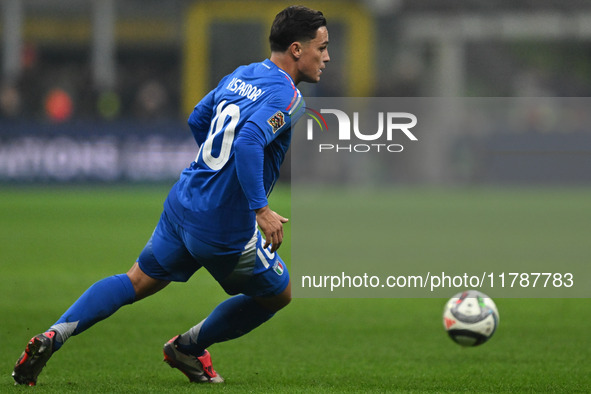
[100, 301]
[231, 319]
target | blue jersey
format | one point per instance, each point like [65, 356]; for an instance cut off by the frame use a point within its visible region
[243, 129]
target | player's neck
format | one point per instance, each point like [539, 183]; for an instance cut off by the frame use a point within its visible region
[286, 63]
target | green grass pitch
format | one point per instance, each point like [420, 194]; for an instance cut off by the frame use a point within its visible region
[55, 242]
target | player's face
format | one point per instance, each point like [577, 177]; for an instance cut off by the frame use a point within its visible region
[313, 57]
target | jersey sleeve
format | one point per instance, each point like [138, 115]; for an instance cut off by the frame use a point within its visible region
[278, 115]
[200, 118]
[249, 151]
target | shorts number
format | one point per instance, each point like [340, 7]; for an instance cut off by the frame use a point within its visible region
[217, 127]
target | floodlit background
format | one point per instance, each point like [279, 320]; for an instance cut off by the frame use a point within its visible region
[100, 90]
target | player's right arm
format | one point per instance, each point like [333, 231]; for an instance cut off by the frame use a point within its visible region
[259, 131]
[249, 152]
[271, 224]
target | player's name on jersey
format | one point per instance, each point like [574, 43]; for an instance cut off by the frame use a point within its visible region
[247, 90]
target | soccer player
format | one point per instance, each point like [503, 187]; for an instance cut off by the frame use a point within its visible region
[210, 217]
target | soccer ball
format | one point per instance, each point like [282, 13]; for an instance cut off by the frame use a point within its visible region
[470, 318]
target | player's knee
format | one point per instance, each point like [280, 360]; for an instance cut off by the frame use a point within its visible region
[284, 297]
[144, 285]
[284, 300]
[277, 302]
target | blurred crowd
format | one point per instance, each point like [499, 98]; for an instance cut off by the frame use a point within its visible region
[55, 81]
[56, 85]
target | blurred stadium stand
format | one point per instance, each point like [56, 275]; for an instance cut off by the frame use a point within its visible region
[73, 64]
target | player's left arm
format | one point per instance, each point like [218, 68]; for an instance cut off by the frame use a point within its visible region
[200, 118]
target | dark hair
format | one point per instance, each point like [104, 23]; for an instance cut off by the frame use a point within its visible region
[295, 23]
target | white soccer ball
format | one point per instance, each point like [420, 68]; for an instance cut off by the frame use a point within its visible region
[470, 318]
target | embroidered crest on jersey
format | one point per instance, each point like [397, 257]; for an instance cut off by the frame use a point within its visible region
[276, 121]
[278, 267]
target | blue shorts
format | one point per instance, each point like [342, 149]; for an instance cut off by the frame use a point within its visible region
[173, 254]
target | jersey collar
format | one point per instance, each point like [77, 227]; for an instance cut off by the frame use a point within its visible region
[272, 65]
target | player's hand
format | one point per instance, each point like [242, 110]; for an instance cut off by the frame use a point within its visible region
[271, 224]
